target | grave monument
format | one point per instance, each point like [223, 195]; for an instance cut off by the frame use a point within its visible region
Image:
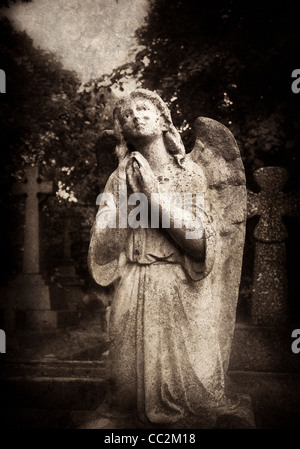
[29, 302]
[169, 236]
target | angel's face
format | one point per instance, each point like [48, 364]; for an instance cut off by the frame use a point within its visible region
[140, 118]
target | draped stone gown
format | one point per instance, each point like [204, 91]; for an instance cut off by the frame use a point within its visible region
[164, 359]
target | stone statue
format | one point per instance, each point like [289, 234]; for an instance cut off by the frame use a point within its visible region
[169, 235]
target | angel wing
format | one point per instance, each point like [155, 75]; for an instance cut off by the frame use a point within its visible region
[217, 153]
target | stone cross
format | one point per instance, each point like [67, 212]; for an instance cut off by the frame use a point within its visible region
[269, 303]
[30, 302]
[32, 186]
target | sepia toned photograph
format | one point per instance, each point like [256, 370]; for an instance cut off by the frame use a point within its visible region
[150, 211]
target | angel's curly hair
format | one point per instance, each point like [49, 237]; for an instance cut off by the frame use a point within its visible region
[171, 136]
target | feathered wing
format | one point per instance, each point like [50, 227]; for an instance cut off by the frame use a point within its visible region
[217, 153]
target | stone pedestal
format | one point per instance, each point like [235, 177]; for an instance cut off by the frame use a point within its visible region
[269, 302]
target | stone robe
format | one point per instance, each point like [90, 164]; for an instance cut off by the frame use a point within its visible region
[164, 359]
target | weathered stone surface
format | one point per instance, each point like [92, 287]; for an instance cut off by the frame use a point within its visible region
[37, 402]
[238, 417]
[31, 188]
[261, 364]
[216, 151]
[269, 303]
[271, 204]
[173, 312]
[52, 367]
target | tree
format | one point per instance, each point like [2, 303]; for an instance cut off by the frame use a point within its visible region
[47, 118]
[228, 60]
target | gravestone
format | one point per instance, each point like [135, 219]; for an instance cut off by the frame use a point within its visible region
[269, 302]
[262, 359]
[29, 302]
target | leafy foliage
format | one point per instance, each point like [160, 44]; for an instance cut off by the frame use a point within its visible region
[228, 60]
[47, 118]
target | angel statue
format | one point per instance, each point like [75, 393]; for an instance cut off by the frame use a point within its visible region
[169, 236]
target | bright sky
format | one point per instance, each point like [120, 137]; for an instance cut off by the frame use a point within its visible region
[90, 36]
